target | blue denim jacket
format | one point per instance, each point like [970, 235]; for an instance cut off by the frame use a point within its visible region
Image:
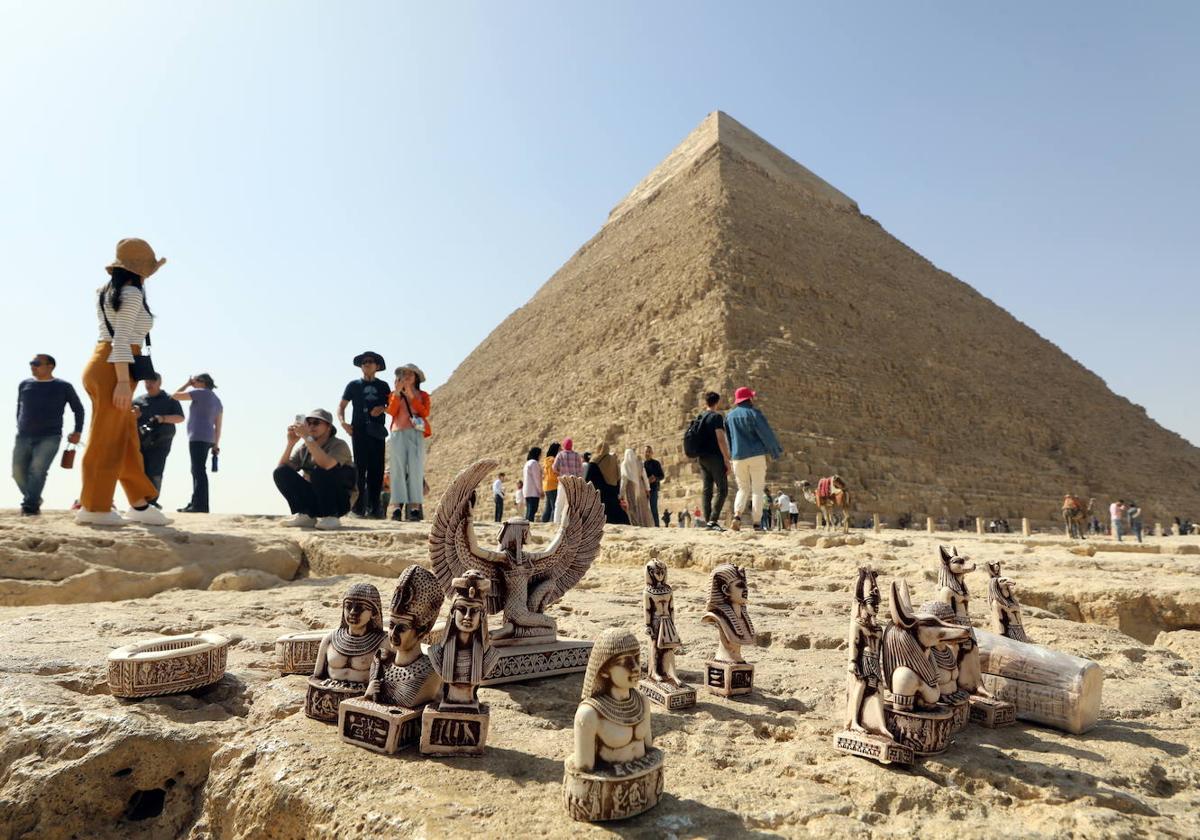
[750, 434]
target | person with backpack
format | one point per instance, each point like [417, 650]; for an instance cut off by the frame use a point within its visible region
[706, 441]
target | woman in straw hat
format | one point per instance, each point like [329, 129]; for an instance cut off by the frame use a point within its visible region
[408, 406]
[113, 453]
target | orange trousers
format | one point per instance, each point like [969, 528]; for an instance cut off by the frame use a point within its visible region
[113, 451]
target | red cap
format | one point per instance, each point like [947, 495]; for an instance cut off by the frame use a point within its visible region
[568, 444]
[743, 394]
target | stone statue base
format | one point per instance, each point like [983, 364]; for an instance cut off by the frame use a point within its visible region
[960, 710]
[384, 729]
[296, 653]
[614, 793]
[729, 679]
[454, 732]
[322, 701]
[992, 713]
[925, 733]
[168, 665]
[530, 659]
[667, 695]
[875, 747]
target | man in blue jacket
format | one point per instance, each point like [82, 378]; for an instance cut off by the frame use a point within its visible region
[751, 440]
[40, 404]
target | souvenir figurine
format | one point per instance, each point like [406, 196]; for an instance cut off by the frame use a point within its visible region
[728, 674]
[345, 655]
[615, 770]
[866, 733]
[1006, 609]
[167, 665]
[457, 723]
[662, 685]
[402, 680]
[523, 583]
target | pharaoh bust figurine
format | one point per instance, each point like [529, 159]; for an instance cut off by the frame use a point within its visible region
[345, 656]
[614, 770]
[727, 595]
[402, 675]
[465, 654]
[1006, 609]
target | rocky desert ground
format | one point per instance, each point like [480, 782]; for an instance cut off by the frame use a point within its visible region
[239, 759]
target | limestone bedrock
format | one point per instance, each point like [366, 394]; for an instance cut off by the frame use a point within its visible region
[240, 759]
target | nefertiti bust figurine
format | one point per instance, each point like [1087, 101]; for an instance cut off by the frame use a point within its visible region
[402, 675]
[345, 656]
[614, 771]
[728, 673]
[1006, 609]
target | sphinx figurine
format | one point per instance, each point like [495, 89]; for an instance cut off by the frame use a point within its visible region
[402, 678]
[615, 771]
[662, 685]
[457, 723]
[727, 673]
[866, 731]
[344, 657]
[952, 580]
[1006, 609]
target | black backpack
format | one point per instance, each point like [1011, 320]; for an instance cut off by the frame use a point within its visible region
[692, 436]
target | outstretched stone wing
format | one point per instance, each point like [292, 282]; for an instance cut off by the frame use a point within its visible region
[568, 557]
[452, 545]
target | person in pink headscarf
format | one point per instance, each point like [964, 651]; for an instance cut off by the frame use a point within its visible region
[566, 462]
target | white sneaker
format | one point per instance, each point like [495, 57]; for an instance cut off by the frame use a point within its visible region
[328, 523]
[150, 516]
[299, 520]
[109, 518]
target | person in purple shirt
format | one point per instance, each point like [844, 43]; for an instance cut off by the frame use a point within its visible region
[204, 434]
[40, 404]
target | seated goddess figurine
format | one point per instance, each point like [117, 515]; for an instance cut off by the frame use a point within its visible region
[402, 675]
[345, 656]
[614, 771]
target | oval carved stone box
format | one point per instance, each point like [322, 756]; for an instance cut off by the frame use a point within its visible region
[167, 665]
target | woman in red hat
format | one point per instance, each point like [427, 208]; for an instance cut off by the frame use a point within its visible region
[751, 440]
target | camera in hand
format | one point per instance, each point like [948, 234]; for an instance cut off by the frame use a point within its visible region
[148, 426]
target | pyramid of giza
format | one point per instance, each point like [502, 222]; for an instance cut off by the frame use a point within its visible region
[731, 264]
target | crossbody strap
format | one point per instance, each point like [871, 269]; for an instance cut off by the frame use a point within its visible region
[108, 325]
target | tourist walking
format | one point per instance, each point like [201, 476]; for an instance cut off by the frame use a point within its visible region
[550, 480]
[321, 496]
[368, 431]
[655, 475]
[113, 453]
[764, 524]
[1116, 516]
[751, 441]
[204, 434]
[409, 408]
[158, 415]
[532, 476]
[713, 456]
[783, 506]
[566, 462]
[603, 472]
[498, 497]
[1135, 519]
[41, 402]
[635, 490]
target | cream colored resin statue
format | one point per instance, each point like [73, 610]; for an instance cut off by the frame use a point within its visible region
[866, 732]
[727, 673]
[457, 724]
[662, 685]
[1006, 609]
[614, 772]
[345, 655]
[388, 717]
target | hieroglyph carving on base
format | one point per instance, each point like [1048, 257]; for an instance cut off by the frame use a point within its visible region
[662, 684]
[168, 665]
[345, 655]
[296, 653]
[728, 674]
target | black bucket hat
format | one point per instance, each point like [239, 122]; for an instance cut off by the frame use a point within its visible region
[370, 356]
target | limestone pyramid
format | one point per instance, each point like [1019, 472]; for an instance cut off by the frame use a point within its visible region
[732, 264]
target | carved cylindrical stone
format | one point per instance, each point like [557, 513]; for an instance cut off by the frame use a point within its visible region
[978, 524]
[925, 733]
[168, 665]
[929, 524]
[875, 522]
[1025, 529]
[296, 653]
[614, 793]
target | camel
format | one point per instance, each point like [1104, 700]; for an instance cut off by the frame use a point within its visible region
[837, 495]
[1075, 516]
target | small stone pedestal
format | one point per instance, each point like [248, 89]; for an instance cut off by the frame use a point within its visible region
[322, 701]
[729, 679]
[978, 524]
[1025, 529]
[614, 793]
[960, 711]
[296, 653]
[384, 729]
[929, 524]
[875, 747]
[454, 732]
[925, 733]
[875, 522]
[668, 695]
[992, 713]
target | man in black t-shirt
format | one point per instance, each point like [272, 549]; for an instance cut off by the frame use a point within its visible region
[654, 472]
[368, 431]
[713, 459]
[158, 414]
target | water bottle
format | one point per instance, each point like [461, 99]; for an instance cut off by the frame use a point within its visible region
[214, 468]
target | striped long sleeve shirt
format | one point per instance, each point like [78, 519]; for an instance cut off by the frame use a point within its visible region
[130, 324]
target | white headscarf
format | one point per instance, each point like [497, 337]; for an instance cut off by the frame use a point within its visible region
[634, 469]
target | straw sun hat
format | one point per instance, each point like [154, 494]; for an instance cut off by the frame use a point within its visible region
[137, 256]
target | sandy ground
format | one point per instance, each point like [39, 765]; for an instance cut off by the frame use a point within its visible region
[239, 759]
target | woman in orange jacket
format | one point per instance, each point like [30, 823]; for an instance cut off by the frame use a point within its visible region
[408, 406]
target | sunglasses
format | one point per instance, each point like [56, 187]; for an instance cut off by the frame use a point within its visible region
[311, 421]
[36, 363]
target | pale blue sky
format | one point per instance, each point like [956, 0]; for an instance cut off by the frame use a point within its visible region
[325, 178]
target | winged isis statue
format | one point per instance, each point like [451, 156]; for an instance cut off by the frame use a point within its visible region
[524, 583]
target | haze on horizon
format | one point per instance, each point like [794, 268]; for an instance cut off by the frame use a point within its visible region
[400, 178]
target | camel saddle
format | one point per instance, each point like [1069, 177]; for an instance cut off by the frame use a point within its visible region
[824, 489]
[1073, 503]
